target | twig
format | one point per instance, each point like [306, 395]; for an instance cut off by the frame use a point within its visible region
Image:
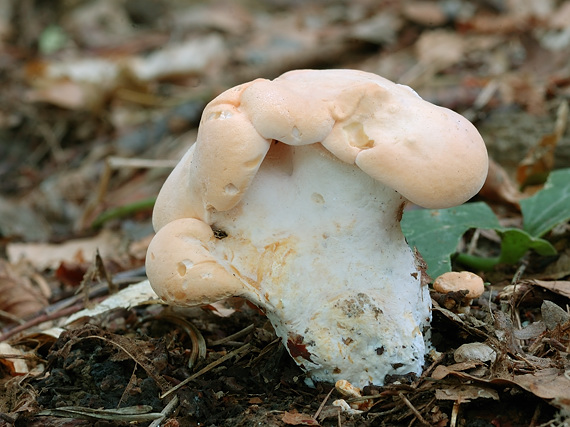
[103, 273]
[7, 418]
[11, 317]
[428, 371]
[73, 304]
[323, 403]
[165, 412]
[535, 416]
[207, 368]
[40, 319]
[232, 337]
[454, 413]
[413, 409]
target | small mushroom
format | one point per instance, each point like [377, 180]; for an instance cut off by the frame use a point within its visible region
[292, 197]
[347, 390]
[458, 289]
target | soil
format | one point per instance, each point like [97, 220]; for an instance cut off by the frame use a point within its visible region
[84, 151]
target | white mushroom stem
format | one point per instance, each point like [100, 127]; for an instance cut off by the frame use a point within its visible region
[317, 244]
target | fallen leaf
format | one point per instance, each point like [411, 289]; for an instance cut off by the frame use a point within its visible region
[553, 315]
[561, 287]
[441, 371]
[381, 28]
[424, 13]
[131, 296]
[539, 160]
[559, 20]
[47, 255]
[18, 296]
[547, 383]
[499, 187]
[466, 393]
[15, 365]
[194, 56]
[296, 418]
[530, 332]
[559, 268]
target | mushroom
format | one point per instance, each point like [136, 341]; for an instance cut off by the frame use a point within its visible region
[292, 196]
[458, 289]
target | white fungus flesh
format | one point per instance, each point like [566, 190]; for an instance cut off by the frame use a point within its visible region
[291, 172]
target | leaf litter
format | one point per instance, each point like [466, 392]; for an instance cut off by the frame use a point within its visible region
[127, 80]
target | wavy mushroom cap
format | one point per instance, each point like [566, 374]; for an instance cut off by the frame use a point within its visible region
[431, 155]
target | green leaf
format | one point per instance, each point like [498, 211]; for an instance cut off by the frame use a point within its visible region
[515, 243]
[550, 206]
[436, 233]
[52, 39]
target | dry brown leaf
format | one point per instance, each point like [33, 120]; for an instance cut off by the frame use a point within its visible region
[18, 297]
[524, 89]
[487, 23]
[499, 187]
[440, 49]
[532, 331]
[465, 393]
[559, 268]
[296, 419]
[559, 20]
[424, 13]
[539, 160]
[441, 371]
[15, 365]
[560, 287]
[46, 255]
[85, 83]
[71, 95]
[553, 315]
[436, 50]
[224, 17]
[547, 383]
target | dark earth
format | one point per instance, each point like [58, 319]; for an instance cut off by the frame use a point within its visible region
[84, 154]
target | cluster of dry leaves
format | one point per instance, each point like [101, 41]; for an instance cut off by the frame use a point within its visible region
[99, 98]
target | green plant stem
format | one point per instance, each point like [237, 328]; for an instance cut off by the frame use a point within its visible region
[123, 211]
[477, 262]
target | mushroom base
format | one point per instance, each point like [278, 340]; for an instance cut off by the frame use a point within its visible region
[317, 244]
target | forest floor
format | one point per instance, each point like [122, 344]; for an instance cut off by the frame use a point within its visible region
[98, 102]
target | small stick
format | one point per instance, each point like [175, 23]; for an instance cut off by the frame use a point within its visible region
[323, 404]
[11, 317]
[232, 337]
[207, 368]
[413, 409]
[165, 412]
[428, 371]
[454, 413]
[40, 319]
